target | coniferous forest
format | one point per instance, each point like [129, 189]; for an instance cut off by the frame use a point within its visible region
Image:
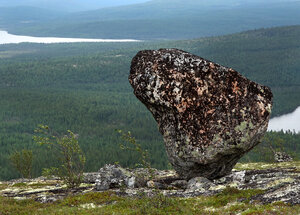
[83, 87]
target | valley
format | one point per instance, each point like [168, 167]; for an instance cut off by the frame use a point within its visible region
[84, 87]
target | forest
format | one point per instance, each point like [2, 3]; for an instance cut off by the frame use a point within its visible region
[84, 87]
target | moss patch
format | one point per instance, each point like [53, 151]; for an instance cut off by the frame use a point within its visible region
[19, 185]
[230, 201]
[260, 166]
[3, 186]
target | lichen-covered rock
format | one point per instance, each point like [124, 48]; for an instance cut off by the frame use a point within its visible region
[209, 115]
[41, 189]
[282, 157]
[181, 184]
[90, 177]
[276, 182]
[199, 183]
[114, 176]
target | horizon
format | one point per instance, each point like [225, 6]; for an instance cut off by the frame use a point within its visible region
[80, 6]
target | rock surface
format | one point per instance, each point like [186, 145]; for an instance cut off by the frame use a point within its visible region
[278, 182]
[111, 176]
[209, 115]
[282, 157]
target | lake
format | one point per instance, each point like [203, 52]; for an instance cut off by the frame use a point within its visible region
[286, 122]
[6, 38]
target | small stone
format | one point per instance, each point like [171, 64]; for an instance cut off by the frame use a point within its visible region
[150, 184]
[282, 157]
[239, 176]
[46, 199]
[88, 206]
[102, 185]
[199, 183]
[114, 176]
[131, 182]
[90, 177]
[155, 184]
[182, 184]
[209, 115]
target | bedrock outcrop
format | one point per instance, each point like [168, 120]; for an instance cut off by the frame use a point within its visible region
[209, 115]
[277, 182]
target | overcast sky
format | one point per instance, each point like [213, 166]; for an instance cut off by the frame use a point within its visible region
[69, 5]
[83, 5]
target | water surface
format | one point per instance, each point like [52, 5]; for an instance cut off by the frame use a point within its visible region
[6, 38]
[286, 122]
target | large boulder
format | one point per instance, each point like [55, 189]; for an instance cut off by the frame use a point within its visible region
[209, 115]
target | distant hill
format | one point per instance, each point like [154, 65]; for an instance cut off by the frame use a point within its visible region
[169, 19]
[23, 15]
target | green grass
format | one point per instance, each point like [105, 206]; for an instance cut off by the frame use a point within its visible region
[20, 185]
[261, 165]
[33, 185]
[230, 201]
[38, 185]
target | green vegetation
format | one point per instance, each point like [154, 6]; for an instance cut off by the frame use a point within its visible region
[262, 165]
[20, 184]
[22, 161]
[279, 141]
[142, 155]
[132, 145]
[83, 87]
[69, 153]
[230, 201]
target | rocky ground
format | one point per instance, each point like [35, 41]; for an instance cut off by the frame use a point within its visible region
[277, 182]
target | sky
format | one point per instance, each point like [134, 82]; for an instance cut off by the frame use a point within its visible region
[69, 5]
[84, 5]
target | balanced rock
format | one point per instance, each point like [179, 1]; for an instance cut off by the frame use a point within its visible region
[209, 115]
